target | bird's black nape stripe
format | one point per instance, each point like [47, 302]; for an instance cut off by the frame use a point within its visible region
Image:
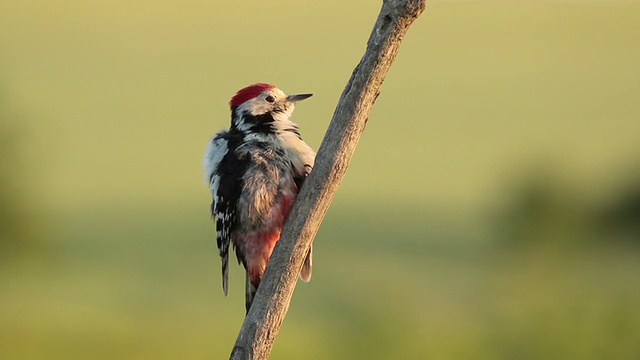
[262, 124]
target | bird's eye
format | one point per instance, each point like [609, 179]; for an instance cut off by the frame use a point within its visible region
[270, 99]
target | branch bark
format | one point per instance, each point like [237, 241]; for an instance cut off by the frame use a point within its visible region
[271, 303]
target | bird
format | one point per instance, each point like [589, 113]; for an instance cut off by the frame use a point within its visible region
[254, 171]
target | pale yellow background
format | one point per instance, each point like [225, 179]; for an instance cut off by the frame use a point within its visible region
[469, 225]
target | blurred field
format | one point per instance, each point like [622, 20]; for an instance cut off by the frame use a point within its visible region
[492, 210]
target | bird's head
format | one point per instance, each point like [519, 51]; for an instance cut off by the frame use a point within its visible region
[263, 103]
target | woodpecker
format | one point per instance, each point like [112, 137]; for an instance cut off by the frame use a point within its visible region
[254, 171]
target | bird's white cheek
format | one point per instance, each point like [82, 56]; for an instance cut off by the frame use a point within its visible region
[258, 109]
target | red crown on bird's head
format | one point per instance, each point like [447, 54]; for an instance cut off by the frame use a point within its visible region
[249, 93]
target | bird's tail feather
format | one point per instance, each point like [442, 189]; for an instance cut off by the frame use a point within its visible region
[250, 292]
[225, 274]
[305, 273]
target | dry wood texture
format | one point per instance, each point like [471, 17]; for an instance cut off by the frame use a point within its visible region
[274, 294]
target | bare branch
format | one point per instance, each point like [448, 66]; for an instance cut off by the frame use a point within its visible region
[274, 293]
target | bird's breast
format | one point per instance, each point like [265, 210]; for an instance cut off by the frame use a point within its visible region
[268, 190]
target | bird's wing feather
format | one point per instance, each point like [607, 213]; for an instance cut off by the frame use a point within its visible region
[222, 169]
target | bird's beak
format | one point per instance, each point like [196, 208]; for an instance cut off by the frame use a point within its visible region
[298, 97]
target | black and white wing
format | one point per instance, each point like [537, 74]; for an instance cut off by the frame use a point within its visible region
[222, 168]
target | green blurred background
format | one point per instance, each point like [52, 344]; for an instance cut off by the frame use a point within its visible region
[492, 210]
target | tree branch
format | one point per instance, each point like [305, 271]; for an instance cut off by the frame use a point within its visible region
[271, 303]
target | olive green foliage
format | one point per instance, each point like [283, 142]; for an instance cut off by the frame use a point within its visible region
[489, 211]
